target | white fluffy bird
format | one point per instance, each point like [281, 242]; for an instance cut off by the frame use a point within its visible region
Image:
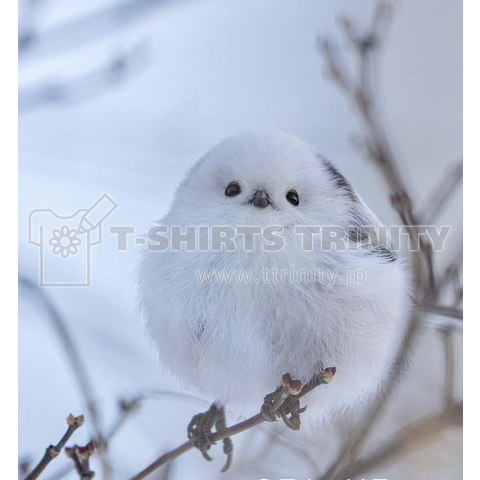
[231, 341]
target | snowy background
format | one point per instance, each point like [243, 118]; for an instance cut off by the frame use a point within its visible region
[123, 104]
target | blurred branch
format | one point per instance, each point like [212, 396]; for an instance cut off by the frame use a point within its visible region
[296, 449]
[447, 333]
[165, 472]
[355, 441]
[81, 459]
[450, 312]
[75, 362]
[120, 68]
[27, 15]
[375, 141]
[23, 467]
[411, 437]
[449, 378]
[54, 450]
[375, 144]
[442, 193]
[444, 323]
[126, 408]
[86, 29]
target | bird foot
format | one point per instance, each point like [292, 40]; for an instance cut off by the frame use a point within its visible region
[200, 431]
[290, 412]
[282, 402]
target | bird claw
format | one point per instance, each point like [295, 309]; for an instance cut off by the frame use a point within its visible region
[293, 422]
[284, 401]
[292, 407]
[200, 431]
[228, 450]
[205, 455]
[267, 413]
[272, 402]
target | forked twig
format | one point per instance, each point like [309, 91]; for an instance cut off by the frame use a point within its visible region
[76, 364]
[54, 450]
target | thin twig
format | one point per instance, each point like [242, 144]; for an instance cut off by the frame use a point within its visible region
[227, 432]
[87, 28]
[54, 450]
[90, 84]
[27, 23]
[288, 444]
[76, 365]
[376, 141]
[127, 407]
[172, 454]
[442, 193]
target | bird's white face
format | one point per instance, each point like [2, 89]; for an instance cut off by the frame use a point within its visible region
[259, 178]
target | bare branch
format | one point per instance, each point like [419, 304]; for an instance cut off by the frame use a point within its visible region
[54, 450]
[126, 407]
[76, 364]
[450, 312]
[444, 323]
[27, 19]
[227, 432]
[117, 70]
[376, 145]
[290, 445]
[451, 274]
[449, 378]
[453, 271]
[86, 29]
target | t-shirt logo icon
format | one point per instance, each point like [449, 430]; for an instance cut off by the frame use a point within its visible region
[65, 242]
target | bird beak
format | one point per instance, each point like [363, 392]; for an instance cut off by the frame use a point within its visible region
[260, 199]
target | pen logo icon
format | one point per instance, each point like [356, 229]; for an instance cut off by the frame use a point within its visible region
[65, 242]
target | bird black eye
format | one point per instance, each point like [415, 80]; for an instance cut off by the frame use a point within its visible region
[233, 189]
[292, 197]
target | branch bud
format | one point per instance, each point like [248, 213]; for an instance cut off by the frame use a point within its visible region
[286, 379]
[295, 387]
[328, 374]
[72, 420]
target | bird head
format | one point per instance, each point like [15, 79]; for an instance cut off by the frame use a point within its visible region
[260, 177]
